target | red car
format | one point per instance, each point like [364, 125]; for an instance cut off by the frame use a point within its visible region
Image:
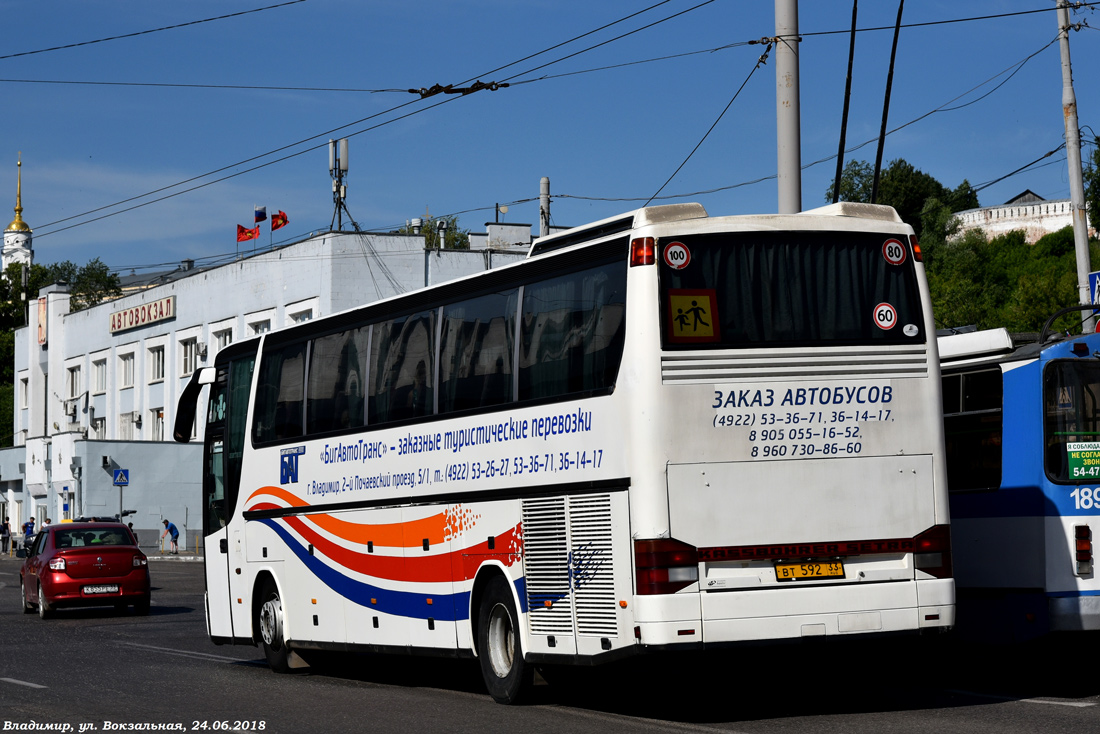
[84, 564]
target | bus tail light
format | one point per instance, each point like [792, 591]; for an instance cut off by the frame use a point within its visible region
[915, 244]
[643, 251]
[1082, 540]
[933, 551]
[664, 566]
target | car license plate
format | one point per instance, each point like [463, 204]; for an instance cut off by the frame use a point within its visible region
[101, 589]
[808, 570]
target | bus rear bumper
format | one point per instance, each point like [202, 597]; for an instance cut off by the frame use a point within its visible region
[914, 606]
[1074, 613]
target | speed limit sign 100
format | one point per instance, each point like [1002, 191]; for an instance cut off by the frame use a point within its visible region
[676, 255]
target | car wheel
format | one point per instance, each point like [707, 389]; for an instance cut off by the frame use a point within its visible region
[141, 608]
[506, 675]
[28, 608]
[271, 628]
[44, 610]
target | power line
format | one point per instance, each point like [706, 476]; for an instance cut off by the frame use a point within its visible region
[201, 86]
[151, 30]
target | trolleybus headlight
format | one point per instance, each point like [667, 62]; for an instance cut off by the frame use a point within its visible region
[664, 566]
[933, 551]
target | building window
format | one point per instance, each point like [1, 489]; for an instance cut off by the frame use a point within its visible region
[301, 316]
[24, 393]
[126, 426]
[156, 424]
[74, 382]
[126, 370]
[189, 351]
[223, 339]
[156, 364]
[259, 327]
[99, 428]
[99, 370]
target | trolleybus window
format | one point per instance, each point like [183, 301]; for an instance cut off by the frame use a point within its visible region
[572, 332]
[972, 419]
[1071, 402]
[789, 288]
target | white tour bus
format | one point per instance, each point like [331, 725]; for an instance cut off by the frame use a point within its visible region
[660, 431]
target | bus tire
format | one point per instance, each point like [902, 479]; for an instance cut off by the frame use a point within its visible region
[506, 674]
[271, 628]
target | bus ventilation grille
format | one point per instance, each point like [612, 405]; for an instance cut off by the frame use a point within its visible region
[706, 367]
[568, 565]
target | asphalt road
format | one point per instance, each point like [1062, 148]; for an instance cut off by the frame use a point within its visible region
[86, 667]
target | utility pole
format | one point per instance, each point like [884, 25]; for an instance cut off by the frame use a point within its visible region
[1073, 157]
[788, 131]
[544, 206]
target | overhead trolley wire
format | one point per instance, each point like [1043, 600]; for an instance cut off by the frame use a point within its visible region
[151, 30]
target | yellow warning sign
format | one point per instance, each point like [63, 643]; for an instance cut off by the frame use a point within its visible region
[693, 316]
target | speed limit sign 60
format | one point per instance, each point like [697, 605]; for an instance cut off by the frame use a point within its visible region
[885, 316]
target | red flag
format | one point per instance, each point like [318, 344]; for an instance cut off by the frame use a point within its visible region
[244, 235]
[278, 220]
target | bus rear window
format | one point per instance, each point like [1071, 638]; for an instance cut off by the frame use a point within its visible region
[1071, 412]
[753, 289]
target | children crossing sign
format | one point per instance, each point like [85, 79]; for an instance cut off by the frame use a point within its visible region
[693, 316]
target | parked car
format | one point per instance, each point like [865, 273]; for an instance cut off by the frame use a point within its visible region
[84, 564]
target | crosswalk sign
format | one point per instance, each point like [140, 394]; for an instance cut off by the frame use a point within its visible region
[122, 477]
[693, 316]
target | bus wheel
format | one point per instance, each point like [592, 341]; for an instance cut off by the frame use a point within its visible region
[271, 628]
[506, 674]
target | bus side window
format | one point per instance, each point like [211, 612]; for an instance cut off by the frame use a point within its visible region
[476, 353]
[279, 394]
[572, 332]
[402, 369]
[337, 371]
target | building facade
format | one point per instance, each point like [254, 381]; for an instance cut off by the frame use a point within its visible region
[96, 390]
[1026, 211]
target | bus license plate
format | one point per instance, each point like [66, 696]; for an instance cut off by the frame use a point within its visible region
[101, 589]
[815, 570]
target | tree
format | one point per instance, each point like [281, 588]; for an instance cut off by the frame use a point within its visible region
[903, 187]
[455, 238]
[1092, 184]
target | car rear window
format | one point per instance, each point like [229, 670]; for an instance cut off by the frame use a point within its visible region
[85, 538]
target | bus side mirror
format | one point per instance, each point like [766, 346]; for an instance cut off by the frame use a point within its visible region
[188, 404]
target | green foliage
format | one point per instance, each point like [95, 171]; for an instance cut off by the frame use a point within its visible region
[7, 409]
[1003, 282]
[903, 187]
[1092, 184]
[89, 285]
[455, 238]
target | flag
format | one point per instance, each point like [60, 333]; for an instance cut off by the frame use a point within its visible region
[244, 235]
[261, 214]
[278, 220]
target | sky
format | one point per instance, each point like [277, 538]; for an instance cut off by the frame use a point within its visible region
[143, 147]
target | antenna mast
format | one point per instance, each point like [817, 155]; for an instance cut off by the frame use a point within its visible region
[338, 169]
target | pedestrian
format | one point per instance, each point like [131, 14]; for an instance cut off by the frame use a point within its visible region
[5, 534]
[28, 533]
[170, 529]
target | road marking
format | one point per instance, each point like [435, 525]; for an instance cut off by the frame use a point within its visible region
[1072, 704]
[21, 683]
[186, 653]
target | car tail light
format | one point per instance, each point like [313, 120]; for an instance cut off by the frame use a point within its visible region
[643, 251]
[1082, 539]
[916, 248]
[57, 564]
[933, 551]
[664, 566]
[140, 561]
